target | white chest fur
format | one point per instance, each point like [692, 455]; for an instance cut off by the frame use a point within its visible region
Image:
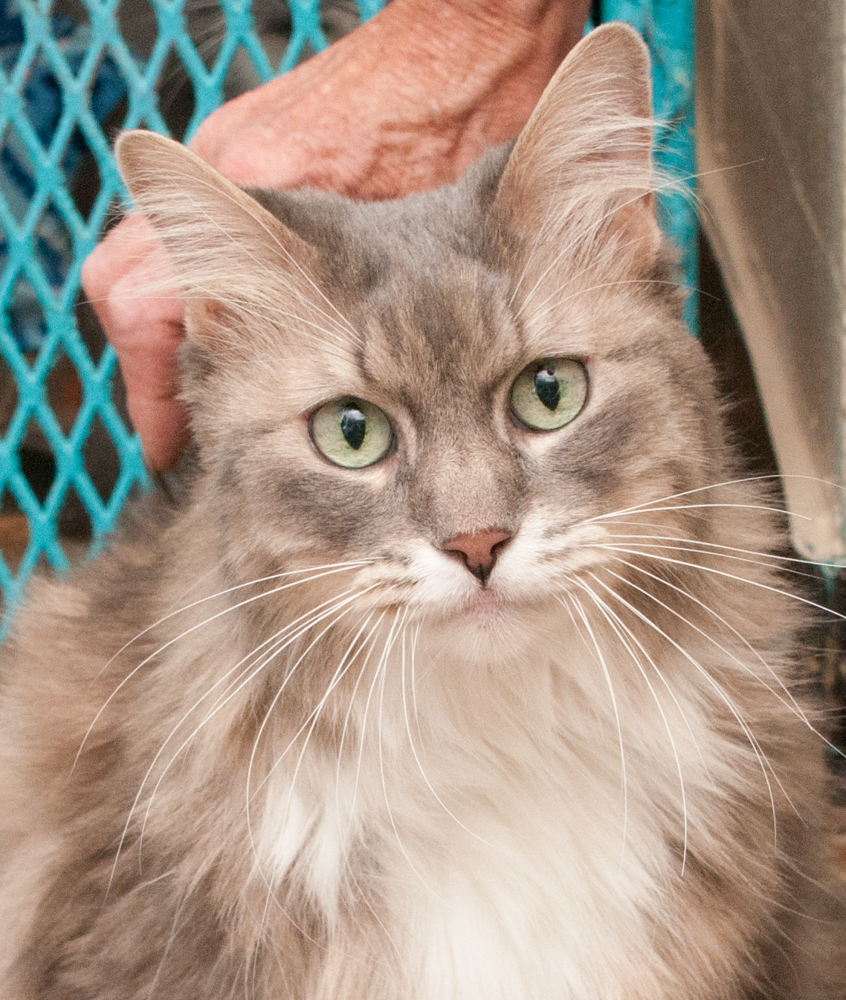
[516, 838]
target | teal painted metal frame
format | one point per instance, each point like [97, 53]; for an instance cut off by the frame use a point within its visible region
[667, 26]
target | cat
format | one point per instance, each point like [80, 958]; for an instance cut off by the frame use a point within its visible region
[466, 670]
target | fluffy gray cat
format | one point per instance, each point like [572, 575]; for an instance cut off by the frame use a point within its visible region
[464, 673]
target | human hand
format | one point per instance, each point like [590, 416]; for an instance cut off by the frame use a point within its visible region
[145, 332]
[404, 103]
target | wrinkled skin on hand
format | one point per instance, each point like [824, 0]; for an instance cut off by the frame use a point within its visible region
[404, 103]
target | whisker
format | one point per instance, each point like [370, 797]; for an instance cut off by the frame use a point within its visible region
[705, 635]
[740, 481]
[249, 795]
[790, 701]
[683, 539]
[288, 640]
[637, 508]
[229, 590]
[227, 610]
[364, 717]
[713, 549]
[691, 506]
[361, 672]
[651, 660]
[763, 761]
[281, 641]
[379, 742]
[619, 626]
[277, 643]
[418, 626]
[612, 693]
[311, 721]
[420, 767]
[293, 669]
[723, 573]
[370, 644]
[792, 704]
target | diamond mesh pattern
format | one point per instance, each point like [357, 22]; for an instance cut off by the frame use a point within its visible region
[67, 79]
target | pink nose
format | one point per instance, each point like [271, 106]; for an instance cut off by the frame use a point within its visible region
[479, 550]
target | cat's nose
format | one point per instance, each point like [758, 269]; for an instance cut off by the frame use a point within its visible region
[479, 550]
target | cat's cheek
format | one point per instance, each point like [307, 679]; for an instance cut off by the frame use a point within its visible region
[298, 502]
[609, 458]
[539, 563]
[440, 584]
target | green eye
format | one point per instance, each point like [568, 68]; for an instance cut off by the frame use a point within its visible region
[351, 432]
[549, 393]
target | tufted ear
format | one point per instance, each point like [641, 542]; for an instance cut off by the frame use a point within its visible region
[229, 254]
[581, 169]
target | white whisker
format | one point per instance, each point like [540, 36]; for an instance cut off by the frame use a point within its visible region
[762, 759]
[691, 506]
[345, 604]
[786, 699]
[229, 590]
[694, 546]
[311, 720]
[723, 573]
[715, 547]
[383, 665]
[227, 610]
[607, 674]
[369, 644]
[420, 767]
[249, 674]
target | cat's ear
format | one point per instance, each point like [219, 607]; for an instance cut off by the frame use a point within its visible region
[229, 254]
[582, 166]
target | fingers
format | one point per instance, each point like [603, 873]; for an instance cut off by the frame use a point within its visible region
[128, 281]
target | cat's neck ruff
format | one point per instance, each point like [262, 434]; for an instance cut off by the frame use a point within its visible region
[447, 776]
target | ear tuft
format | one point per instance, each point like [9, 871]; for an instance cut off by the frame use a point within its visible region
[583, 163]
[222, 244]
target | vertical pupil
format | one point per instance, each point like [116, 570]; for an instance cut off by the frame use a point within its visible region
[353, 425]
[547, 388]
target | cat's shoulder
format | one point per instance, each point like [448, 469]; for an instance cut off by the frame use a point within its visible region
[75, 612]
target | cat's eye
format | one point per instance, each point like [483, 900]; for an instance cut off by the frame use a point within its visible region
[549, 393]
[351, 432]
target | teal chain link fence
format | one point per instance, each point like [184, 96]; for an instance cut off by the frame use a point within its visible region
[72, 72]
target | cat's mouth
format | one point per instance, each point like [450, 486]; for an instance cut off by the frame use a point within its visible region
[488, 601]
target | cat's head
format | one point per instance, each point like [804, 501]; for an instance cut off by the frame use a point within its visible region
[456, 385]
